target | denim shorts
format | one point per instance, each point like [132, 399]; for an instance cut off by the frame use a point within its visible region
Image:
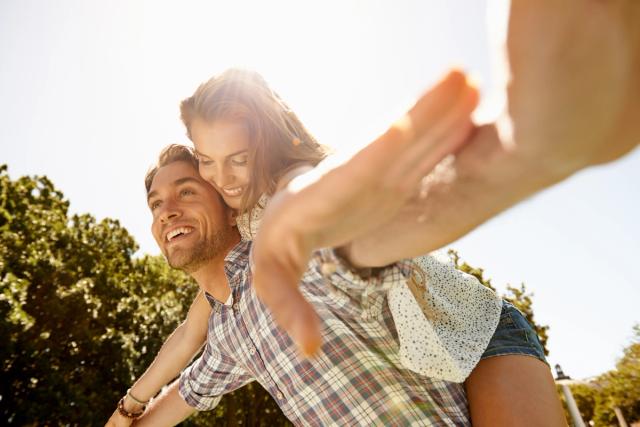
[514, 335]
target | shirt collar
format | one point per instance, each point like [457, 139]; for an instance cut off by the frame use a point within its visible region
[237, 258]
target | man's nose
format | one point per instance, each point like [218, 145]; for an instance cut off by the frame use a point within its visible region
[170, 212]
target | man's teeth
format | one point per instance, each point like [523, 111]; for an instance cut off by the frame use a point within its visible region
[232, 191]
[177, 232]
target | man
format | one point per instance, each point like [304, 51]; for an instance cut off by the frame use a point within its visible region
[355, 377]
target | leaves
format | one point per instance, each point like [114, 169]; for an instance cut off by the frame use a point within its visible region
[619, 388]
[82, 317]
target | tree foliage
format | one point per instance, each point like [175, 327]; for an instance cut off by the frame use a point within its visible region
[82, 317]
[619, 387]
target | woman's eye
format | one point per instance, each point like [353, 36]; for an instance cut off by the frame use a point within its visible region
[204, 162]
[186, 192]
[239, 162]
[155, 205]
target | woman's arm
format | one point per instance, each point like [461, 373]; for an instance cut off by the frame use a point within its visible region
[174, 355]
[573, 100]
[292, 173]
[331, 205]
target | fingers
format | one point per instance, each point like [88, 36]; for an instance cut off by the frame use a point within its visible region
[276, 278]
[304, 325]
[444, 135]
[291, 311]
[333, 207]
[437, 102]
[426, 111]
[444, 138]
[433, 128]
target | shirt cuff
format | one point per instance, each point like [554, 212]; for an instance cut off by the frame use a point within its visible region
[329, 264]
[191, 397]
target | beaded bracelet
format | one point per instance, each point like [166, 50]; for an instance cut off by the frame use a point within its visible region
[125, 413]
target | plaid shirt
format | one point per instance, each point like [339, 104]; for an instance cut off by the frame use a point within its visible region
[357, 377]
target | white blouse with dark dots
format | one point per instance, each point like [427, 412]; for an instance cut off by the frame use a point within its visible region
[445, 329]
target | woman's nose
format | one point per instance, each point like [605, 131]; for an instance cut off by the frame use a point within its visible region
[223, 177]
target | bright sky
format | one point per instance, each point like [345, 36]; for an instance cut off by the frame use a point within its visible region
[89, 93]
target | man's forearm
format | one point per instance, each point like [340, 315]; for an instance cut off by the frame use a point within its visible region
[174, 355]
[168, 409]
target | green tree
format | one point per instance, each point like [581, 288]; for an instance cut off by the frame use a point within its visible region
[620, 387]
[83, 317]
[585, 396]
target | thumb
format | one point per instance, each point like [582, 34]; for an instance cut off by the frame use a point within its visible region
[292, 312]
[277, 287]
[303, 326]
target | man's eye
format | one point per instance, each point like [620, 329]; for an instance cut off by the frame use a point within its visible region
[155, 205]
[186, 192]
[204, 162]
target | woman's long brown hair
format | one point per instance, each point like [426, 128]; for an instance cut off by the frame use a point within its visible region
[278, 142]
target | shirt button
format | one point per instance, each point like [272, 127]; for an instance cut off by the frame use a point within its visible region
[279, 395]
[252, 351]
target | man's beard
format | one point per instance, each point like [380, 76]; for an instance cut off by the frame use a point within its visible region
[191, 259]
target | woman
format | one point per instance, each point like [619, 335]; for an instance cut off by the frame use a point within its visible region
[248, 144]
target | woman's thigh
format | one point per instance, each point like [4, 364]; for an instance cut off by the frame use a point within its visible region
[513, 390]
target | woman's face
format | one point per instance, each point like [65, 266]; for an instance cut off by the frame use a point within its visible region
[222, 148]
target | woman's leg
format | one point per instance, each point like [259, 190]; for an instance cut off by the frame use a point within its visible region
[513, 390]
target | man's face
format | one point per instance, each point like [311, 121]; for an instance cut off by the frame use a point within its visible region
[190, 223]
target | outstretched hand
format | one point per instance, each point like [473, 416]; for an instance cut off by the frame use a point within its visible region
[333, 204]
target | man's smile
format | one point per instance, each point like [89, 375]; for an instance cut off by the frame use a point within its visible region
[178, 233]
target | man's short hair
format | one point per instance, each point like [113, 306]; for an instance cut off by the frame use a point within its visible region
[170, 154]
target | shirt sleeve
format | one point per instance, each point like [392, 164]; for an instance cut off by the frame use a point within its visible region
[210, 376]
[354, 292]
[330, 265]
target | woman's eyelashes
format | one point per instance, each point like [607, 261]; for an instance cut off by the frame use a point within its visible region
[239, 161]
[204, 162]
